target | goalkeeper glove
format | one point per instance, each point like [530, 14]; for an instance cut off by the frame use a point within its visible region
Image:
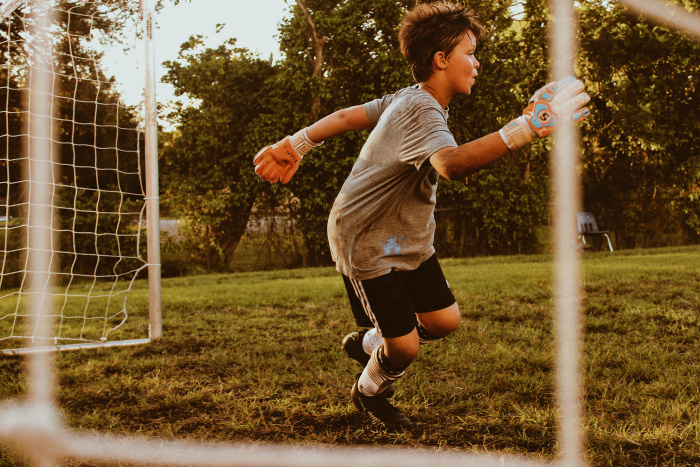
[552, 106]
[280, 161]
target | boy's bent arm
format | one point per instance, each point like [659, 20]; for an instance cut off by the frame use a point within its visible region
[467, 159]
[340, 121]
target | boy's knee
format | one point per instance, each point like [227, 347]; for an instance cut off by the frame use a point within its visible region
[452, 320]
[443, 322]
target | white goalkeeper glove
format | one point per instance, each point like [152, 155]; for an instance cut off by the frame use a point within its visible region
[552, 106]
[280, 161]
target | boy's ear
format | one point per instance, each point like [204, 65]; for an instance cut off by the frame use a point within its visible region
[439, 60]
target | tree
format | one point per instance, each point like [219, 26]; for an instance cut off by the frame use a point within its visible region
[207, 178]
[636, 167]
[641, 163]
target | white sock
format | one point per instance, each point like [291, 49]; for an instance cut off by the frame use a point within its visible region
[371, 340]
[376, 377]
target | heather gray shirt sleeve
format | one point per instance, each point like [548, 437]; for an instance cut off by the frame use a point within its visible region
[374, 109]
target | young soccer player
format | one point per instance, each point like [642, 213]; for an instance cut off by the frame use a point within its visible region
[381, 226]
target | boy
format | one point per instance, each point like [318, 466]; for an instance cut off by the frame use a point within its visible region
[381, 226]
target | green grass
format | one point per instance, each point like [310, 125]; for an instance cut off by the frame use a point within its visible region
[256, 357]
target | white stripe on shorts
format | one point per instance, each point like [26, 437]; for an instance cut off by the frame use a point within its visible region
[360, 292]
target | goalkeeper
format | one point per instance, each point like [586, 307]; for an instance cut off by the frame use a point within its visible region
[381, 226]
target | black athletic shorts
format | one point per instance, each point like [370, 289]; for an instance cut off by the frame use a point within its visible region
[390, 302]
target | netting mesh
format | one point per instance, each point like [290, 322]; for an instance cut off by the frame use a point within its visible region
[97, 191]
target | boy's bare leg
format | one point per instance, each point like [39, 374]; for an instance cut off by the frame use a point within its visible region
[401, 351]
[390, 360]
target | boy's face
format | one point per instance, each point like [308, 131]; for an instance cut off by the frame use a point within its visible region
[462, 65]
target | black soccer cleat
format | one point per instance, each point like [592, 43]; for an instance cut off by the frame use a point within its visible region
[352, 344]
[379, 409]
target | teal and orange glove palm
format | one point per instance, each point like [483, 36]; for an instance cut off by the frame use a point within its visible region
[552, 106]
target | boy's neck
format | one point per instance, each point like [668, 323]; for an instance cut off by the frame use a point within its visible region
[438, 92]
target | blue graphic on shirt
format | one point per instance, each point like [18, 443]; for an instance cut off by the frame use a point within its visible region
[393, 245]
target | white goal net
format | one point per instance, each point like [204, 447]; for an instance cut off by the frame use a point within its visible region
[34, 426]
[94, 210]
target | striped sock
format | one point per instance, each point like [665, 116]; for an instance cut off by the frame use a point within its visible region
[378, 374]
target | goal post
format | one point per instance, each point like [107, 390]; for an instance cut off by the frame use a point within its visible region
[100, 174]
[152, 195]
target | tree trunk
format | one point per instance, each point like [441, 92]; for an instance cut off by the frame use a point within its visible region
[309, 256]
[316, 44]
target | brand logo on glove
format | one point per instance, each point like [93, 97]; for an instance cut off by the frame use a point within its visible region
[293, 156]
[544, 117]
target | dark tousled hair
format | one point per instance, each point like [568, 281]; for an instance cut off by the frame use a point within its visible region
[433, 27]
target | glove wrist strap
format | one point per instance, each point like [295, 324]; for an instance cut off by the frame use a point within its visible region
[301, 142]
[516, 133]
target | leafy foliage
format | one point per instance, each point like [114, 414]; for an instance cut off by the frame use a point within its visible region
[208, 179]
[640, 167]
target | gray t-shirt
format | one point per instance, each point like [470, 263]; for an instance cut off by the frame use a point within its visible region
[382, 220]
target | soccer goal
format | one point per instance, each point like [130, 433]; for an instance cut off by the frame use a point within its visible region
[79, 177]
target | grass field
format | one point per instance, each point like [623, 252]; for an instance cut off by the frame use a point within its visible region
[256, 356]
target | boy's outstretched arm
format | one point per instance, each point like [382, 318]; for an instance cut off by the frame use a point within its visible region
[341, 121]
[281, 160]
[552, 106]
